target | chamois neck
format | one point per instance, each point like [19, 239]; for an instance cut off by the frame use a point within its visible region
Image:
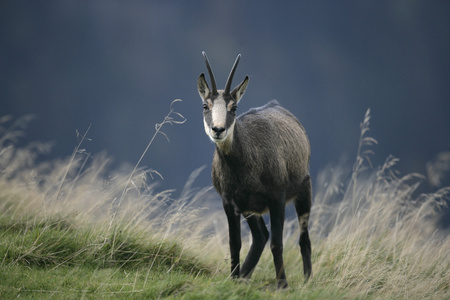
[231, 145]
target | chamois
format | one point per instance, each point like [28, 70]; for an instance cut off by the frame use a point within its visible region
[261, 162]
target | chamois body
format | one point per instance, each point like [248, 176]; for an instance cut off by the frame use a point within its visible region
[269, 154]
[261, 162]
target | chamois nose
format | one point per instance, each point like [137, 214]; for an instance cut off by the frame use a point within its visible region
[218, 130]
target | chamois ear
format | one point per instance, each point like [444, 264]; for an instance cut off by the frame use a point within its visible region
[203, 88]
[239, 91]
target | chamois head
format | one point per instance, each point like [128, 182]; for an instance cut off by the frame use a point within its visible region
[219, 106]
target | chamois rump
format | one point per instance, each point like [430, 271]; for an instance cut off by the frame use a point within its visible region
[261, 162]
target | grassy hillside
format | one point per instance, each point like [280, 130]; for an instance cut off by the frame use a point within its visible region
[72, 229]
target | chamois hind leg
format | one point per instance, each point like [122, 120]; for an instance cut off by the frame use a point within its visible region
[277, 214]
[303, 208]
[260, 236]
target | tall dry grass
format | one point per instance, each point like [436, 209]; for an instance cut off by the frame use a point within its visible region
[373, 234]
[114, 208]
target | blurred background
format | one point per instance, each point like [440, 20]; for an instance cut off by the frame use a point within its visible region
[117, 65]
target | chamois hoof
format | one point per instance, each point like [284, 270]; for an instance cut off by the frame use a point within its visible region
[282, 285]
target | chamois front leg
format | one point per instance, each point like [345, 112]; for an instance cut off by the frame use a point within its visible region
[277, 214]
[260, 236]
[234, 231]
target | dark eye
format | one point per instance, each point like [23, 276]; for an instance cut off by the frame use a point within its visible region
[205, 107]
[233, 109]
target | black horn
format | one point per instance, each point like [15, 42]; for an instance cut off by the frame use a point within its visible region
[230, 77]
[211, 75]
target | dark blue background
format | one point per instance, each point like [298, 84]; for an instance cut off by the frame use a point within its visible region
[117, 65]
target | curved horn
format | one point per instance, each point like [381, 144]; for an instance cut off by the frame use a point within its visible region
[230, 77]
[211, 75]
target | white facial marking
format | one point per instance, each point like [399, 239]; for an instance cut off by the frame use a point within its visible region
[219, 113]
[230, 131]
[207, 129]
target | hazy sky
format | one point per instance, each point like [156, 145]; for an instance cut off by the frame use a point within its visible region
[117, 65]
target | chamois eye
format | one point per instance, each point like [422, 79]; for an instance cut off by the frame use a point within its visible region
[205, 107]
[233, 109]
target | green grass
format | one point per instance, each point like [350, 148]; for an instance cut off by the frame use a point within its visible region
[71, 229]
[53, 259]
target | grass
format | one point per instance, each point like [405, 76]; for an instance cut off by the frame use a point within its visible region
[72, 229]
